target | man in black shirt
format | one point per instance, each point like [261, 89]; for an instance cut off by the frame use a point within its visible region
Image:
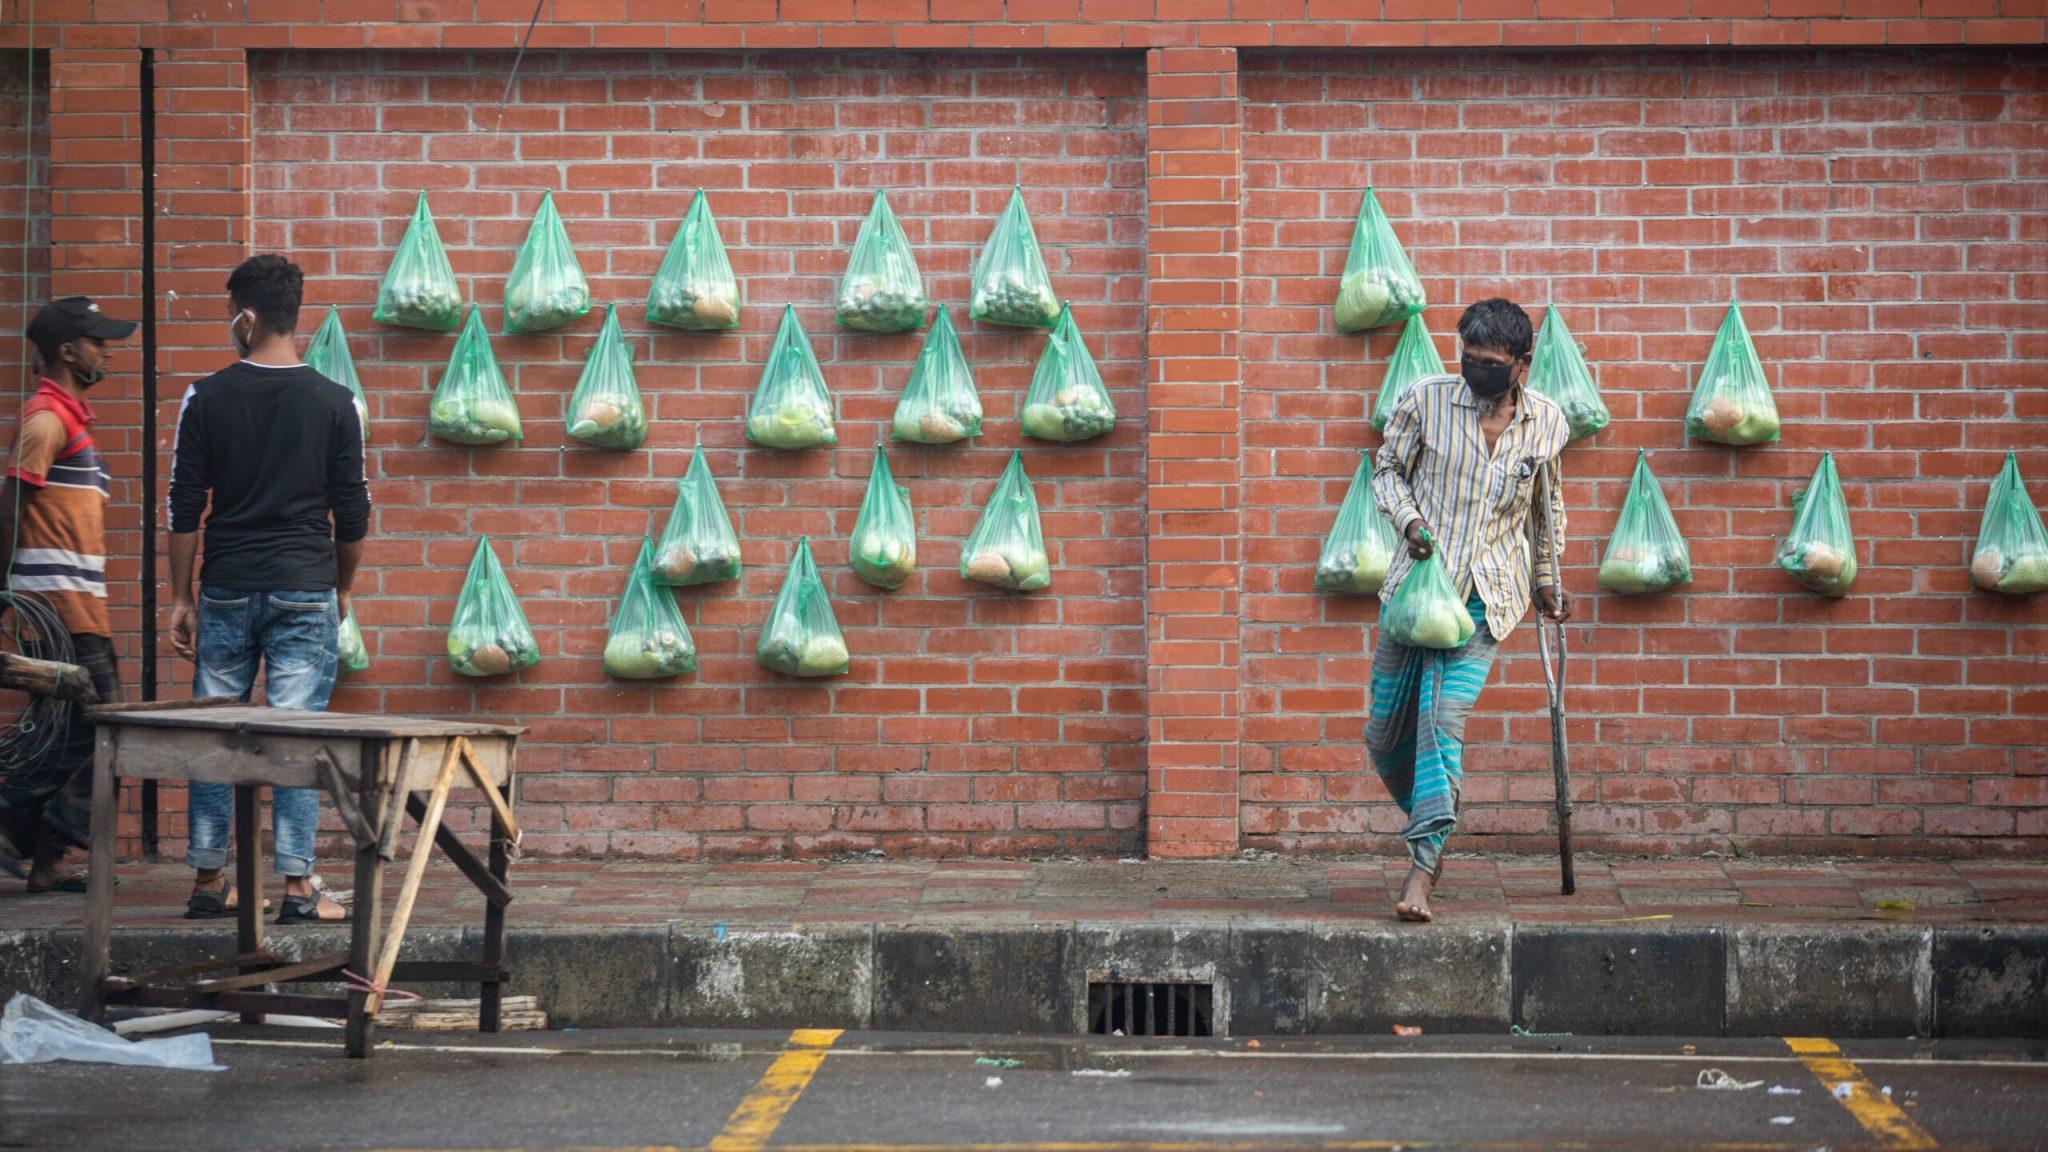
[279, 449]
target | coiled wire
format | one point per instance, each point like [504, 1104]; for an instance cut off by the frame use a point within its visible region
[28, 739]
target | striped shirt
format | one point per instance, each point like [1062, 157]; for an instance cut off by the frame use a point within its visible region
[61, 541]
[1434, 466]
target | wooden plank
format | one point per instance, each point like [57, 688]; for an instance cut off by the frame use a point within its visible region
[492, 887]
[196, 968]
[99, 888]
[367, 909]
[47, 678]
[489, 787]
[490, 1007]
[231, 757]
[99, 710]
[298, 722]
[493, 755]
[394, 935]
[303, 970]
[396, 760]
[248, 878]
[247, 1003]
[341, 789]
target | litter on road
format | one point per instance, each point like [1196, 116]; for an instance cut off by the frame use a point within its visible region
[1715, 1079]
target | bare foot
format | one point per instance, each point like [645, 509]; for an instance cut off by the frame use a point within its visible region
[1414, 903]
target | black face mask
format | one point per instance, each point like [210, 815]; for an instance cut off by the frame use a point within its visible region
[86, 377]
[1487, 381]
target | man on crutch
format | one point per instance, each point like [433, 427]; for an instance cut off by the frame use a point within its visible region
[1464, 459]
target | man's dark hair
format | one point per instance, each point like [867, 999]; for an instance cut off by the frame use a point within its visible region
[1498, 324]
[270, 286]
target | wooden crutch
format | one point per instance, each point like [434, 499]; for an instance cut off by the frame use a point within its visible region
[1554, 680]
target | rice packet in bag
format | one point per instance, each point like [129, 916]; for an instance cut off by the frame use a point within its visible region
[802, 637]
[1006, 548]
[605, 410]
[1732, 403]
[1360, 546]
[699, 545]
[1067, 400]
[351, 655]
[1819, 552]
[419, 289]
[2011, 555]
[881, 291]
[648, 640]
[328, 355]
[1558, 372]
[1011, 284]
[939, 405]
[472, 405]
[1646, 552]
[546, 288]
[791, 407]
[1414, 357]
[489, 636]
[885, 534]
[694, 288]
[1379, 285]
[1425, 611]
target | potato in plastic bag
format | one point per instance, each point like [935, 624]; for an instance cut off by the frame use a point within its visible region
[1820, 552]
[1360, 546]
[351, 655]
[791, 407]
[419, 289]
[489, 636]
[649, 639]
[1414, 357]
[1646, 552]
[939, 405]
[1067, 400]
[694, 288]
[884, 550]
[2011, 555]
[546, 288]
[881, 291]
[1425, 611]
[1379, 285]
[472, 404]
[328, 355]
[605, 410]
[802, 636]
[1006, 548]
[1732, 403]
[1011, 284]
[699, 545]
[1558, 372]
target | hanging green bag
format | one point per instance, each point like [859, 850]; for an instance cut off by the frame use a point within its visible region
[694, 287]
[802, 635]
[1067, 400]
[546, 288]
[1558, 373]
[1414, 357]
[649, 639]
[327, 354]
[1425, 612]
[699, 545]
[1006, 548]
[791, 407]
[489, 636]
[2012, 548]
[939, 405]
[1732, 403]
[419, 289]
[1646, 553]
[1361, 544]
[881, 291]
[885, 534]
[1820, 553]
[473, 405]
[351, 657]
[1011, 285]
[1379, 284]
[605, 409]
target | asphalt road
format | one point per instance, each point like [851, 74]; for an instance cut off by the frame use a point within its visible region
[604, 1090]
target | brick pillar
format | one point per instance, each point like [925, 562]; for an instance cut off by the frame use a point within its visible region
[1192, 537]
[204, 162]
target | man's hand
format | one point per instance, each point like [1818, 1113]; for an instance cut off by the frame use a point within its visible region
[341, 603]
[184, 624]
[1554, 603]
[1419, 548]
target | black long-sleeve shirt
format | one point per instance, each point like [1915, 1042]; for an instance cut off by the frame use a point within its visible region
[280, 450]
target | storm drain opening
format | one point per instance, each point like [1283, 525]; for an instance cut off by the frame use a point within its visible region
[1138, 1008]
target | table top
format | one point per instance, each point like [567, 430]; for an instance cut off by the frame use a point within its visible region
[295, 722]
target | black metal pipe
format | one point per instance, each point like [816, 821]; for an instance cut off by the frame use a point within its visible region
[149, 380]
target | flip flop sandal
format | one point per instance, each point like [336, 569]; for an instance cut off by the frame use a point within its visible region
[211, 905]
[306, 910]
[75, 882]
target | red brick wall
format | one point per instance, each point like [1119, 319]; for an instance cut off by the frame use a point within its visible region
[24, 206]
[1882, 218]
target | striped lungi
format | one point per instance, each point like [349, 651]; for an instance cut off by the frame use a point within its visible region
[1421, 698]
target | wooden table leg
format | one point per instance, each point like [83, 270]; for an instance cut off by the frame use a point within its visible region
[381, 768]
[99, 889]
[494, 928]
[248, 879]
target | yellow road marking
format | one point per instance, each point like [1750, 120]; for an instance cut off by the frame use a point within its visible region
[757, 1117]
[1878, 1115]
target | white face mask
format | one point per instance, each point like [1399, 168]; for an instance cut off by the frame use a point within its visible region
[242, 344]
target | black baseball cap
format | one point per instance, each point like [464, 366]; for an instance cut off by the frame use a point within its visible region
[61, 321]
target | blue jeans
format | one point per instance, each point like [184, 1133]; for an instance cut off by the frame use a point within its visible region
[294, 634]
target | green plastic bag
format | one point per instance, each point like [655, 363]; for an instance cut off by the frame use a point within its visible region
[1732, 403]
[1379, 284]
[1819, 552]
[699, 545]
[791, 407]
[881, 291]
[2012, 548]
[351, 656]
[327, 354]
[419, 289]
[802, 636]
[473, 405]
[605, 409]
[546, 288]
[694, 287]
[649, 639]
[1011, 285]
[1414, 357]
[489, 636]
[1646, 553]
[1360, 546]
[939, 405]
[1006, 548]
[885, 534]
[1067, 401]
[1558, 372]
[1425, 611]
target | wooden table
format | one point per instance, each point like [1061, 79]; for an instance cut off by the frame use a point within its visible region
[374, 770]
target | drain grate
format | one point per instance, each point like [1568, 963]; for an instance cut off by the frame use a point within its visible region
[1137, 1008]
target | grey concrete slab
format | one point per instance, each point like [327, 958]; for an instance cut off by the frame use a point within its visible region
[1155, 953]
[1788, 980]
[809, 977]
[1991, 981]
[945, 980]
[21, 963]
[591, 978]
[1349, 979]
[1618, 981]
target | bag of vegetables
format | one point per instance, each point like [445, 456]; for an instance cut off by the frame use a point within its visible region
[1732, 403]
[1414, 357]
[694, 288]
[1067, 401]
[2012, 548]
[419, 288]
[1820, 553]
[472, 404]
[939, 405]
[327, 354]
[1379, 284]
[351, 656]
[648, 640]
[1425, 612]
[885, 534]
[1558, 372]
[791, 407]
[1646, 553]
[1011, 285]
[1006, 548]
[699, 545]
[1361, 544]
[546, 288]
[802, 636]
[882, 291]
[489, 636]
[605, 409]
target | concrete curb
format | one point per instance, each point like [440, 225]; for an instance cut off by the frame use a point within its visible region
[1271, 978]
